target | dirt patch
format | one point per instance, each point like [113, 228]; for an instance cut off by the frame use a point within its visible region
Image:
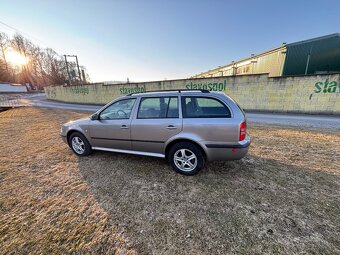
[283, 198]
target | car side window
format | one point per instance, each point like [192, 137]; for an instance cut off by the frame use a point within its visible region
[158, 107]
[204, 107]
[118, 110]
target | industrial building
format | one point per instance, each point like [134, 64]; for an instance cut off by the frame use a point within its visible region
[319, 55]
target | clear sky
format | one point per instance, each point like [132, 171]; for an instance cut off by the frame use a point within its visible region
[156, 39]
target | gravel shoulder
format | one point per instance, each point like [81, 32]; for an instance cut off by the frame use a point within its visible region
[283, 198]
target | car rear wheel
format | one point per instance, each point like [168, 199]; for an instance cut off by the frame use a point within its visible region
[79, 144]
[186, 158]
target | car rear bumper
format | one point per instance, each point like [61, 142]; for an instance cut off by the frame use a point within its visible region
[225, 152]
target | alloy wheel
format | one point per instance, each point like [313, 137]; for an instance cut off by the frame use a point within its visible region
[185, 160]
[78, 145]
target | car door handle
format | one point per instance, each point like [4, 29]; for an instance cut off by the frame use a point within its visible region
[171, 127]
[124, 127]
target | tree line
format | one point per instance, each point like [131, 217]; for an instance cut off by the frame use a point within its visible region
[44, 66]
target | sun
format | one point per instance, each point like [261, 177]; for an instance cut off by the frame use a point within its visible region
[16, 58]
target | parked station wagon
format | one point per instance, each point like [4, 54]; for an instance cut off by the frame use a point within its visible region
[186, 127]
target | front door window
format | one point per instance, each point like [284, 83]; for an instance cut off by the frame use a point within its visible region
[118, 110]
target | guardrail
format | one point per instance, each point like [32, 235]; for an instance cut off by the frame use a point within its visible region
[9, 101]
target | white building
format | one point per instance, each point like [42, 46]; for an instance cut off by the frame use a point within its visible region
[12, 88]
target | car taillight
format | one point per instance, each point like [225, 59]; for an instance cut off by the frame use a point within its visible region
[243, 131]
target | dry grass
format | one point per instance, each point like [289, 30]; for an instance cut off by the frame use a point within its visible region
[284, 198]
[45, 204]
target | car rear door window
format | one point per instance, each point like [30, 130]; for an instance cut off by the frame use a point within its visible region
[158, 107]
[172, 108]
[204, 107]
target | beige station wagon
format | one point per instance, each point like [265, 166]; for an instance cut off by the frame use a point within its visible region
[186, 127]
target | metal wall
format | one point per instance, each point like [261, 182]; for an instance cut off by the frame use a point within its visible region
[270, 62]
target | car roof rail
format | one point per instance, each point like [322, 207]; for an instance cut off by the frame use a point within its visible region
[169, 90]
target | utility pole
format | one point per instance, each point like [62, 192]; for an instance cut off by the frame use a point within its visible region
[84, 77]
[78, 69]
[79, 74]
[68, 71]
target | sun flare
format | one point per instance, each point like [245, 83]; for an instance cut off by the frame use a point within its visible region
[16, 58]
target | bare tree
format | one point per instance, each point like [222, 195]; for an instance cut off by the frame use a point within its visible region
[44, 66]
[3, 47]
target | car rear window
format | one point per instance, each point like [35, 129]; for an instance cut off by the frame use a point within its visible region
[204, 107]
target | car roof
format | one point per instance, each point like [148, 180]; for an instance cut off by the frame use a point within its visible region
[174, 93]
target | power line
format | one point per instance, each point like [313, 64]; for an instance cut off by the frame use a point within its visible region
[28, 35]
[21, 32]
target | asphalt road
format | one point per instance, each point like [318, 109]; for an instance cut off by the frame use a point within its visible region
[324, 122]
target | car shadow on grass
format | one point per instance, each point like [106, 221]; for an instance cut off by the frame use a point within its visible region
[254, 205]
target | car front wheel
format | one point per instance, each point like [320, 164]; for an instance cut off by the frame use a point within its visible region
[79, 144]
[186, 158]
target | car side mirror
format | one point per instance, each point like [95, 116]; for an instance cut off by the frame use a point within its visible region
[95, 117]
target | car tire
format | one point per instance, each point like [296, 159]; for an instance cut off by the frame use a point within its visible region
[79, 144]
[186, 158]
